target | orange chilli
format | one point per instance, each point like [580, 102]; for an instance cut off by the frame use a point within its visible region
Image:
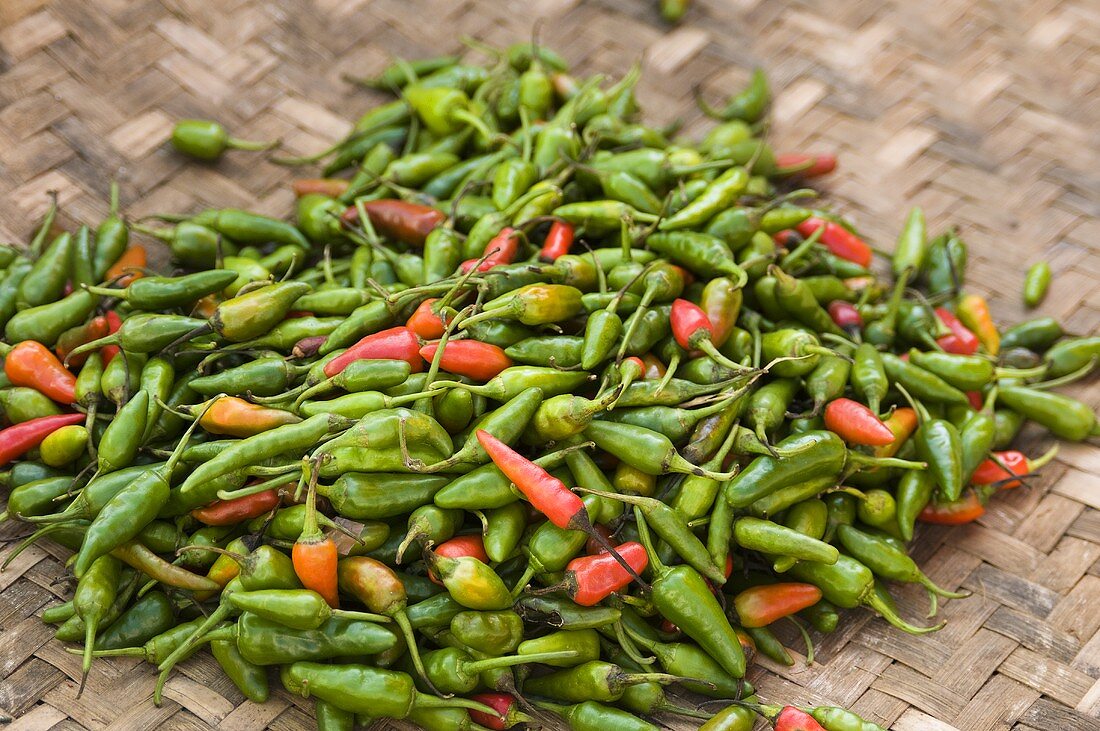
[32, 364]
[129, 266]
[236, 417]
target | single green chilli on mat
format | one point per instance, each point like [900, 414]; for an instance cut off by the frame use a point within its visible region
[531, 412]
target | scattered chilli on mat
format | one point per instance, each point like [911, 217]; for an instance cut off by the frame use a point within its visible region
[537, 411]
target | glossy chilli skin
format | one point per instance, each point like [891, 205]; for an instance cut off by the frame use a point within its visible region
[526, 409]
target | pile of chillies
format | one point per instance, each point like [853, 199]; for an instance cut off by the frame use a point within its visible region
[532, 412]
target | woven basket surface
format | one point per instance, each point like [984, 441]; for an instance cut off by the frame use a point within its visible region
[984, 112]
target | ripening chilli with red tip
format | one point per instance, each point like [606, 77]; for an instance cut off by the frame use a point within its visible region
[501, 250]
[231, 512]
[857, 424]
[802, 165]
[693, 330]
[961, 341]
[795, 719]
[506, 707]
[33, 365]
[471, 545]
[558, 241]
[838, 240]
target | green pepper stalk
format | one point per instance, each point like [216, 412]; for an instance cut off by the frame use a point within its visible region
[429, 525]
[596, 680]
[748, 105]
[95, 593]
[688, 660]
[677, 423]
[454, 671]
[645, 449]
[130, 509]
[889, 562]
[682, 596]
[296, 608]
[144, 333]
[35, 246]
[648, 699]
[263, 569]
[207, 140]
[849, 584]
[159, 293]
[157, 648]
[509, 381]
[363, 689]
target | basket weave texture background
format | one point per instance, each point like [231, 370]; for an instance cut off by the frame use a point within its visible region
[986, 113]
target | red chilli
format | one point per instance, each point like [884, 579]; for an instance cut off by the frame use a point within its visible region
[546, 493]
[801, 165]
[559, 239]
[502, 249]
[396, 343]
[857, 424]
[409, 223]
[507, 712]
[591, 579]
[114, 322]
[470, 358]
[1002, 467]
[15, 441]
[961, 341]
[838, 240]
[426, 322]
[231, 512]
[846, 316]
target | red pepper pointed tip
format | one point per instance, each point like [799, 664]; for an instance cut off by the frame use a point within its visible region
[839, 240]
[857, 424]
[990, 472]
[472, 545]
[689, 323]
[804, 165]
[795, 719]
[502, 703]
[845, 315]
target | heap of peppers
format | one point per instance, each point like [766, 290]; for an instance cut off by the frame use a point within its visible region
[532, 411]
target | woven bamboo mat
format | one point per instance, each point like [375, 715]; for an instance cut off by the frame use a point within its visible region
[984, 112]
